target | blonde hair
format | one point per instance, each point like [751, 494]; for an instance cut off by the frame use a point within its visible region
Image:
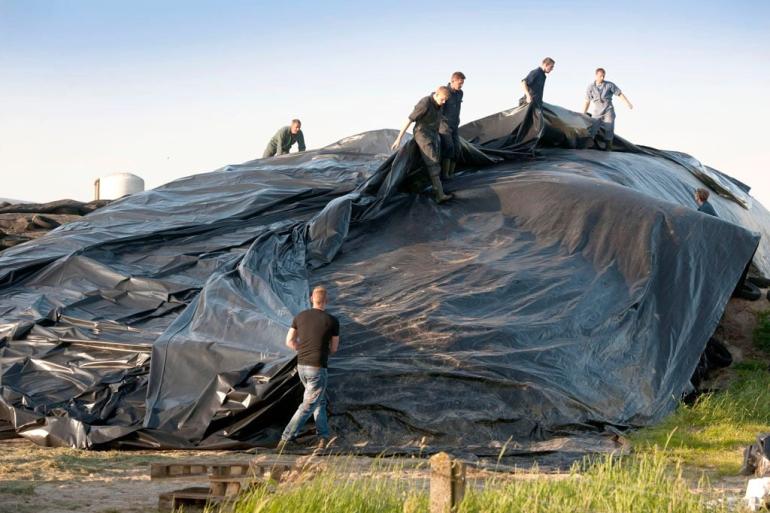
[319, 294]
[548, 61]
[443, 91]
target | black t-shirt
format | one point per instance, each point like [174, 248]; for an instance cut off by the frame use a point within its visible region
[427, 115]
[536, 83]
[315, 329]
[452, 110]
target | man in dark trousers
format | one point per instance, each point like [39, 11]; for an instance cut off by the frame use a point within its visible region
[284, 138]
[426, 116]
[702, 199]
[314, 334]
[534, 83]
[450, 140]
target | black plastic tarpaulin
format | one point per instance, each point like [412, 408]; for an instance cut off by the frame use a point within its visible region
[565, 289]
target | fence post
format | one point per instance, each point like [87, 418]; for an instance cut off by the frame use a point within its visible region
[447, 483]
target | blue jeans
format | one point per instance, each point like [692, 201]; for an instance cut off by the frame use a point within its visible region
[313, 403]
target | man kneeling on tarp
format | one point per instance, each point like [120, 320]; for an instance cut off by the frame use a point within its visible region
[284, 139]
[426, 116]
[314, 334]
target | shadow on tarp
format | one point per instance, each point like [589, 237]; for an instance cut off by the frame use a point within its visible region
[565, 290]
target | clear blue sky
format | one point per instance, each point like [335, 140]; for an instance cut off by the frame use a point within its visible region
[165, 89]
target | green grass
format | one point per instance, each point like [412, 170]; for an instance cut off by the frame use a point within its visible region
[712, 433]
[762, 332]
[331, 492]
[647, 483]
[644, 483]
[17, 488]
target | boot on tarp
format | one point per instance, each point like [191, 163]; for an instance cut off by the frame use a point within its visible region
[451, 173]
[438, 189]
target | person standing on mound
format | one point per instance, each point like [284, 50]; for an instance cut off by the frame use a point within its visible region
[534, 83]
[599, 97]
[426, 116]
[450, 139]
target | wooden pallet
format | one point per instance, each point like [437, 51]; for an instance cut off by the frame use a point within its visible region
[226, 480]
[197, 468]
[231, 486]
[194, 498]
[271, 471]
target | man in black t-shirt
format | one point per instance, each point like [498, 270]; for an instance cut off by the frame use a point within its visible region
[426, 116]
[450, 139]
[534, 83]
[314, 334]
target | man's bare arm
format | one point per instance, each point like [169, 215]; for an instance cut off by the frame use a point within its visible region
[585, 106]
[527, 91]
[334, 345]
[400, 135]
[291, 339]
[625, 99]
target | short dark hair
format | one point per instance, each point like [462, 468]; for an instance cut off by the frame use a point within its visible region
[600, 69]
[296, 122]
[548, 61]
[702, 194]
[458, 74]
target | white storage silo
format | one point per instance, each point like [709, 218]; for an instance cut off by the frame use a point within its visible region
[117, 185]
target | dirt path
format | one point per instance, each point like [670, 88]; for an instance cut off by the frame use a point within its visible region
[55, 480]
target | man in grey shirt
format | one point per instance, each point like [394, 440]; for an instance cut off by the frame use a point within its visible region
[599, 96]
[284, 138]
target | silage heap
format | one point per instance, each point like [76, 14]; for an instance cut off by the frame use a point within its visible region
[571, 292]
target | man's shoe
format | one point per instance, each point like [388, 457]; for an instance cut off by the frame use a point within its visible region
[323, 444]
[284, 445]
[438, 190]
[451, 173]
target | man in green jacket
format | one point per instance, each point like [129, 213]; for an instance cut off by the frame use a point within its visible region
[284, 138]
